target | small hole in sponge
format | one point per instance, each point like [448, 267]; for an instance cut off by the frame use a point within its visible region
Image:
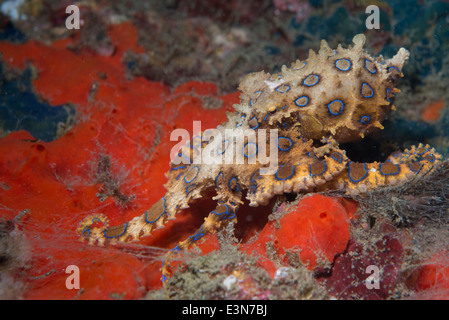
[40, 147]
[323, 215]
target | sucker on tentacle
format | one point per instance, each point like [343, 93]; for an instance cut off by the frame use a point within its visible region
[298, 117]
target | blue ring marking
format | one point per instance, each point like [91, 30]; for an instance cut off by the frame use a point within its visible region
[304, 104]
[225, 214]
[198, 235]
[251, 100]
[177, 168]
[238, 185]
[124, 230]
[366, 67]
[146, 219]
[325, 169]
[192, 186]
[420, 154]
[399, 71]
[177, 248]
[393, 67]
[239, 124]
[232, 216]
[341, 69]
[219, 214]
[216, 179]
[311, 85]
[291, 143]
[433, 157]
[305, 63]
[266, 117]
[226, 147]
[179, 175]
[425, 158]
[279, 76]
[253, 182]
[189, 145]
[291, 175]
[363, 89]
[355, 181]
[196, 174]
[252, 177]
[254, 117]
[388, 98]
[389, 174]
[340, 160]
[283, 91]
[341, 107]
[252, 155]
[284, 107]
[88, 231]
[88, 227]
[410, 166]
[365, 119]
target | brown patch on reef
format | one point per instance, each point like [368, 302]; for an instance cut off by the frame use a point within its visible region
[110, 184]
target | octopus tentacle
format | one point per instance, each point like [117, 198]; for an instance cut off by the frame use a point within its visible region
[397, 169]
[95, 229]
[297, 174]
[224, 213]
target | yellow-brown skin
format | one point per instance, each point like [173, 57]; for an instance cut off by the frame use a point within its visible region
[334, 96]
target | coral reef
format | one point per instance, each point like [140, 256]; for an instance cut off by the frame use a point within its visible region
[14, 258]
